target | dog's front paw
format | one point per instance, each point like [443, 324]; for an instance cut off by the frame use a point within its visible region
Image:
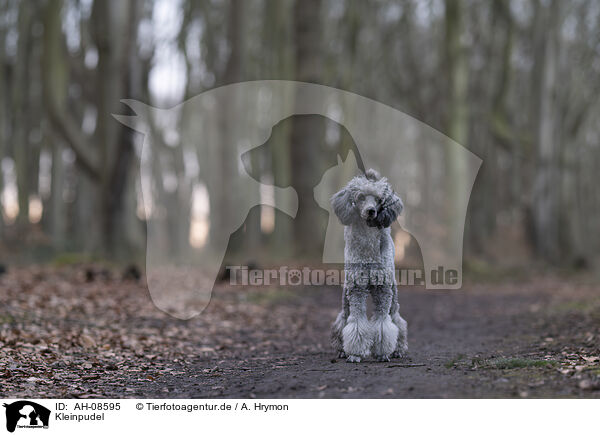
[382, 358]
[399, 353]
[353, 359]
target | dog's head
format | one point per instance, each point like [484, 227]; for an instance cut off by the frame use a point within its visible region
[368, 197]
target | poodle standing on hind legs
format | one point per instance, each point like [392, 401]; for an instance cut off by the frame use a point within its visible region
[367, 207]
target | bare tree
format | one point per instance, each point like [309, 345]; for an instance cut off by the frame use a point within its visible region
[104, 157]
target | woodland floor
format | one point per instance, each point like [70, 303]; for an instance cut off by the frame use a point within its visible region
[64, 337]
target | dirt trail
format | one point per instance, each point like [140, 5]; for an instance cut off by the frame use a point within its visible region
[63, 337]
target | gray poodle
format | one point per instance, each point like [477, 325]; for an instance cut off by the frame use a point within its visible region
[367, 207]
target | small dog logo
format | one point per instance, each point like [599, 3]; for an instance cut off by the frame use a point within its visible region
[26, 414]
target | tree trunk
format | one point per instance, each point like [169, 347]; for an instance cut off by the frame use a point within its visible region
[3, 89]
[457, 110]
[277, 21]
[54, 68]
[221, 193]
[307, 131]
[20, 107]
[120, 243]
[109, 87]
[546, 184]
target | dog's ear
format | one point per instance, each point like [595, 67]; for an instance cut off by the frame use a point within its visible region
[389, 211]
[342, 206]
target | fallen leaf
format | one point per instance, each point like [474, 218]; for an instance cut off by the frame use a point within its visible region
[87, 341]
[586, 384]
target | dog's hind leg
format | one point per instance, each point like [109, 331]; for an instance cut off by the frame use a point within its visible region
[385, 332]
[402, 342]
[338, 326]
[356, 335]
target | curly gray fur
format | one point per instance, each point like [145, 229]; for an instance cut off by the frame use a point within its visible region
[367, 206]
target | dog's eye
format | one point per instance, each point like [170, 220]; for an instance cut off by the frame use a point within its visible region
[360, 197]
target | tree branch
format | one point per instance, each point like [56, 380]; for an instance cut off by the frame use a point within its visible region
[75, 139]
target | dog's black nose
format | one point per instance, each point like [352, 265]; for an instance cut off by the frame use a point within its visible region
[371, 212]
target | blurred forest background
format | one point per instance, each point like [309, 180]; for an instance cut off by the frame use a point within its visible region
[515, 81]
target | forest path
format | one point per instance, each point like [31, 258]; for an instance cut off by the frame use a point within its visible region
[61, 336]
